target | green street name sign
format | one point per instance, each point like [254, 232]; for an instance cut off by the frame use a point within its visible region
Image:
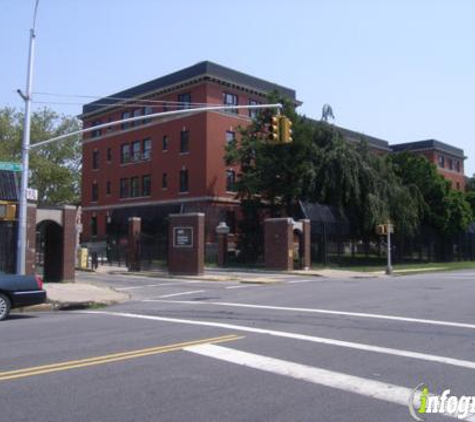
[10, 166]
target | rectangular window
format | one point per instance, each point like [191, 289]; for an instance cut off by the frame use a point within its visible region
[110, 128]
[184, 100]
[146, 185]
[441, 161]
[147, 110]
[125, 153]
[184, 180]
[230, 180]
[95, 192]
[124, 188]
[253, 113]
[230, 137]
[457, 166]
[184, 141]
[109, 155]
[95, 159]
[451, 164]
[136, 113]
[96, 132]
[147, 149]
[136, 150]
[108, 188]
[94, 226]
[165, 143]
[135, 187]
[164, 181]
[126, 115]
[230, 100]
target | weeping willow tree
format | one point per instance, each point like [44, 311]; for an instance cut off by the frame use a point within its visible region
[318, 166]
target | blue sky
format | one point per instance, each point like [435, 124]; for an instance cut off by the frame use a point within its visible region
[396, 69]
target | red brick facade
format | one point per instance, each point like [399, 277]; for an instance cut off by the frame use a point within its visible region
[449, 166]
[105, 167]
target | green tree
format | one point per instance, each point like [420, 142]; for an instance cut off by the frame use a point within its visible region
[318, 166]
[442, 208]
[470, 185]
[55, 169]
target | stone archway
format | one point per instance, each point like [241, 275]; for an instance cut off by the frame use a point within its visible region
[49, 250]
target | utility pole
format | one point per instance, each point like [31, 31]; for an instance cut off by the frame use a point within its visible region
[389, 268]
[25, 155]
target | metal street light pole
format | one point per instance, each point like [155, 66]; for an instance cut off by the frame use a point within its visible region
[25, 151]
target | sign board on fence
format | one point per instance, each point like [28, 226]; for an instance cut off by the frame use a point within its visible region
[4, 165]
[183, 237]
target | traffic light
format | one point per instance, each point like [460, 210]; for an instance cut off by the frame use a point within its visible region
[7, 211]
[286, 130]
[274, 128]
[381, 229]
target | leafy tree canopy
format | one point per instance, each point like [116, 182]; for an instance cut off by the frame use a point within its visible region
[55, 169]
[319, 165]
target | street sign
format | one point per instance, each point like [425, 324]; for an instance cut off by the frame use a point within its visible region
[10, 166]
[32, 194]
[183, 237]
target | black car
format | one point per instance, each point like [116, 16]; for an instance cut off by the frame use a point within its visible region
[19, 290]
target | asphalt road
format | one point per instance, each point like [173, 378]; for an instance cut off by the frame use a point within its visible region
[306, 349]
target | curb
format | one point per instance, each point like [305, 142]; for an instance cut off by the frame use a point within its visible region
[64, 306]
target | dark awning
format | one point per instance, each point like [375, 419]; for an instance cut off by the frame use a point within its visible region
[8, 186]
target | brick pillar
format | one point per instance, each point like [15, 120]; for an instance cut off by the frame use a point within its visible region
[278, 244]
[222, 236]
[186, 244]
[69, 243]
[133, 244]
[305, 247]
[30, 259]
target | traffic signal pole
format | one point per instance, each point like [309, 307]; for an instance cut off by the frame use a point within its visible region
[25, 155]
[389, 268]
[22, 239]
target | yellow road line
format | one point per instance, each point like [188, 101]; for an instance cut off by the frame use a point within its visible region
[100, 360]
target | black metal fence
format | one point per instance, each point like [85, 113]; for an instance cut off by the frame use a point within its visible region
[333, 247]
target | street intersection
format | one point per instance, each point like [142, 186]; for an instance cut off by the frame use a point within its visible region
[303, 349]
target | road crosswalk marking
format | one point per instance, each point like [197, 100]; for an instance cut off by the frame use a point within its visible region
[295, 336]
[366, 387]
[327, 312]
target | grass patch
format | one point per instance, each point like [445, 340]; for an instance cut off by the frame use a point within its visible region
[406, 268]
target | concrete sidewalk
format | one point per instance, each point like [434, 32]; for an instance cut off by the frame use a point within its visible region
[70, 296]
[242, 275]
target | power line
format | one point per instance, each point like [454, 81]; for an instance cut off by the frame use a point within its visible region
[128, 99]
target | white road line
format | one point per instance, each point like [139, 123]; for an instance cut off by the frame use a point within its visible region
[144, 286]
[180, 294]
[365, 387]
[238, 287]
[321, 340]
[300, 281]
[328, 312]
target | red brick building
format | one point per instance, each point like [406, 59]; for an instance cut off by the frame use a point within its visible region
[154, 167]
[157, 166]
[448, 159]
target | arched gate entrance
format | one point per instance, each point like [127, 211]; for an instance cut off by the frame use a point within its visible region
[49, 250]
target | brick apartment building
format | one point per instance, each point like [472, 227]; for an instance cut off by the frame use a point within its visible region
[448, 159]
[154, 167]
